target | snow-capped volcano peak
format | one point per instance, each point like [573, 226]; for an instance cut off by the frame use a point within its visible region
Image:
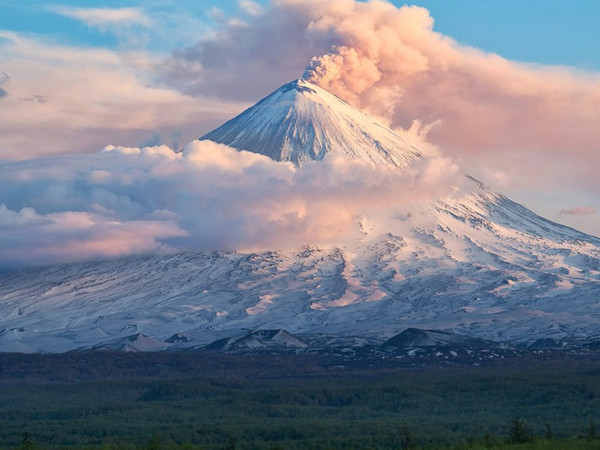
[302, 122]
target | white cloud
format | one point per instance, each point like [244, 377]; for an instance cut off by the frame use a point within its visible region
[210, 197]
[250, 7]
[103, 17]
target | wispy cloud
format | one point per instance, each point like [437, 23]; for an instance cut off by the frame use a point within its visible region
[579, 211]
[250, 7]
[103, 17]
[88, 96]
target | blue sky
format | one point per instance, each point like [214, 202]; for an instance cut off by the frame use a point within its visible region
[541, 31]
[40, 17]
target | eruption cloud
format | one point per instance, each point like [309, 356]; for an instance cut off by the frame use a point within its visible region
[389, 61]
[522, 119]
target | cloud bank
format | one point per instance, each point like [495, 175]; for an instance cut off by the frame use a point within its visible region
[88, 97]
[209, 197]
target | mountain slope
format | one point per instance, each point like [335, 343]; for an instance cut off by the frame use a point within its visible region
[466, 273]
[473, 262]
[259, 340]
[302, 122]
[414, 337]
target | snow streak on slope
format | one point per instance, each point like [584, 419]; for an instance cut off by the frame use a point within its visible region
[302, 122]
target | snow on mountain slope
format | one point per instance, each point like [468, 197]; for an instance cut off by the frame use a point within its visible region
[473, 262]
[302, 122]
[463, 272]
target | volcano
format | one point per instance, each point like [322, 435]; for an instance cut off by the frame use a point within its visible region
[302, 122]
[473, 262]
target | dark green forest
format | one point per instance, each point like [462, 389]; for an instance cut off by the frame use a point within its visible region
[542, 406]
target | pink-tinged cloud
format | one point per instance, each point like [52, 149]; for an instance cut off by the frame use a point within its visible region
[29, 238]
[579, 211]
[209, 197]
[481, 100]
[73, 100]
[391, 62]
